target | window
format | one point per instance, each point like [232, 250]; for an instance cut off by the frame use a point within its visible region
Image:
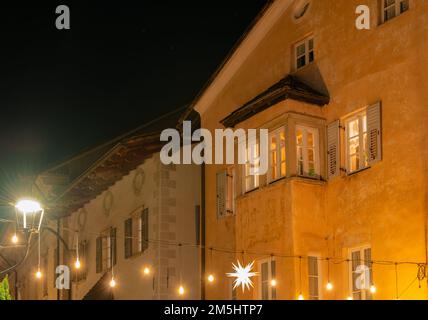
[393, 8]
[267, 274]
[307, 142]
[225, 192]
[314, 278]
[277, 158]
[252, 157]
[136, 234]
[304, 53]
[106, 250]
[361, 273]
[356, 142]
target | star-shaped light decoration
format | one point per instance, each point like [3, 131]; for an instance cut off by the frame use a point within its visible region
[243, 275]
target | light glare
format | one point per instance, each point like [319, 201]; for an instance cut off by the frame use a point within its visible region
[28, 206]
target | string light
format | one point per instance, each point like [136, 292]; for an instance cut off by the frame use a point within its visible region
[38, 273]
[273, 282]
[15, 239]
[181, 291]
[77, 263]
[146, 271]
[112, 281]
[211, 278]
[372, 289]
[329, 285]
[300, 297]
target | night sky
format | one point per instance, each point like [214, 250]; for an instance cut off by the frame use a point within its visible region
[121, 64]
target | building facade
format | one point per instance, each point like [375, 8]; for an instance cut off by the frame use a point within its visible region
[125, 216]
[345, 196]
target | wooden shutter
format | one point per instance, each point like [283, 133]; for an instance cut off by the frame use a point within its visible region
[128, 238]
[221, 193]
[333, 149]
[99, 252]
[145, 229]
[374, 133]
[113, 245]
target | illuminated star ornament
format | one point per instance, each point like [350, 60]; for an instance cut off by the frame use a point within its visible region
[242, 275]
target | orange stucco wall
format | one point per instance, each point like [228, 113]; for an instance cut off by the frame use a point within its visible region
[384, 206]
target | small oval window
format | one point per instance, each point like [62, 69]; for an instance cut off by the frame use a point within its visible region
[301, 8]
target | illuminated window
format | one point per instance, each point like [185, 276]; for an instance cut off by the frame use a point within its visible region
[277, 157]
[393, 8]
[251, 167]
[361, 273]
[307, 142]
[304, 53]
[356, 142]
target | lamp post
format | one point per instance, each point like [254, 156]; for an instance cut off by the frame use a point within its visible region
[31, 215]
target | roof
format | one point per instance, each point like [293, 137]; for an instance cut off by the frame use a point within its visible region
[70, 185]
[287, 88]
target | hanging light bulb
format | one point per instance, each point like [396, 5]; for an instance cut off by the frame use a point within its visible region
[273, 283]
[38, 274]
[112, 283]
[329, 286]
[300, 297]
[146, 271]
[14, 239]
[373, 288]
[77, 264]
[211, 278]
[181, 290]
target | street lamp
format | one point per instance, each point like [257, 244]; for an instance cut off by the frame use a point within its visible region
[31, 214]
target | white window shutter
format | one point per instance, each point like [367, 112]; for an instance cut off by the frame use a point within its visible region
[333, 151]
[374, 133]
[221, 193]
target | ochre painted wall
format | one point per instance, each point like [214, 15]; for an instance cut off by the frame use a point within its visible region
[384, 206]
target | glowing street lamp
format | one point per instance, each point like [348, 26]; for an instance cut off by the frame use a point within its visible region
[31, 214]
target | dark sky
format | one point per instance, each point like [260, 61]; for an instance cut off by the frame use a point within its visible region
[121, 64]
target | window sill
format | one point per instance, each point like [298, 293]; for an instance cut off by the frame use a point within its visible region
[357, 171]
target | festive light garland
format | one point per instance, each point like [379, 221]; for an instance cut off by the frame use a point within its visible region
[245, 272]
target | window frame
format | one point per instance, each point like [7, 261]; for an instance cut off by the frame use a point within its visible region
[397, 11]
[318, 276]
[272, 291]
[306, 54]
[317, 157]
[278, 158]
[361, 116]
[365, 293]
[251, 182]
